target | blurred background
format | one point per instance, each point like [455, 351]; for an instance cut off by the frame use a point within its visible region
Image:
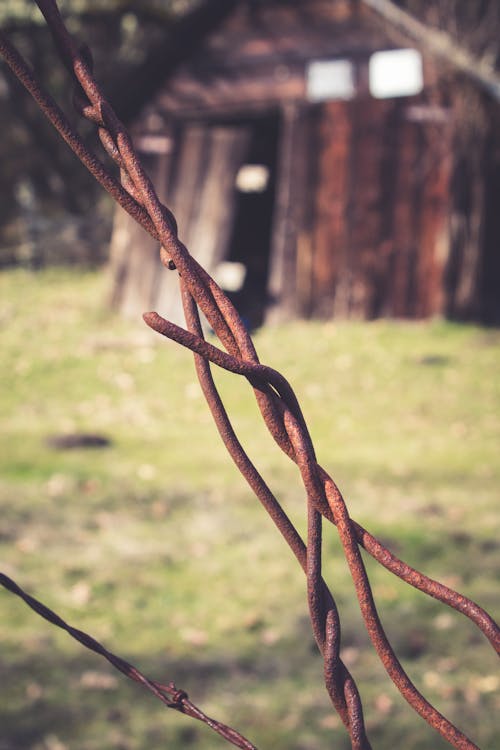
[335, 165]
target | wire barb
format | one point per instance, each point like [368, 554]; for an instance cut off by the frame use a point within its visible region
[280, 411]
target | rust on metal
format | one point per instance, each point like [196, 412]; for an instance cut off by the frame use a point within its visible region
[280, 411]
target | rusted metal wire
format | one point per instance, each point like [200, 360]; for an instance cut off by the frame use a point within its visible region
[279, 408]
[169, 695]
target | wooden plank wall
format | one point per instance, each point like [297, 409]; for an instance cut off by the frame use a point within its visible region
[381, 213]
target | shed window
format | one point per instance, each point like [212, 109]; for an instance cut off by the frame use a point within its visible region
[395, 73]
[330, 79]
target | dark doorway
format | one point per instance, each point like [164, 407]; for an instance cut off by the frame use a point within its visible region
[250, 240]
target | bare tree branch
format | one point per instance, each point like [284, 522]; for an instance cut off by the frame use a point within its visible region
[441, 44]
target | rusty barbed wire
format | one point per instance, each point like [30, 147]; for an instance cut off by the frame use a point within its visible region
[279, 408]
[169, 695]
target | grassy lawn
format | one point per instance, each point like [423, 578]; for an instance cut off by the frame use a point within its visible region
[156, 547]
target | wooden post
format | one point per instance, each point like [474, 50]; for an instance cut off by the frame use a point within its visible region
[291, 195]
[331, 201]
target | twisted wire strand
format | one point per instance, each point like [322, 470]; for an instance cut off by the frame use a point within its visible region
[339, 681]
[350, 543]
[276, 400]
[374, 547]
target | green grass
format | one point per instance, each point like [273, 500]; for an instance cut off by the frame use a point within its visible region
[156, 547]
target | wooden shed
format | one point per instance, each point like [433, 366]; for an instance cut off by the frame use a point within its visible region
[303, 185]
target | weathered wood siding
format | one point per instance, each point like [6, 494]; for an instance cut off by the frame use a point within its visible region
[381, 212]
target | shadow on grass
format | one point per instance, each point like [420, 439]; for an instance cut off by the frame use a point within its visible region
[51, 701]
